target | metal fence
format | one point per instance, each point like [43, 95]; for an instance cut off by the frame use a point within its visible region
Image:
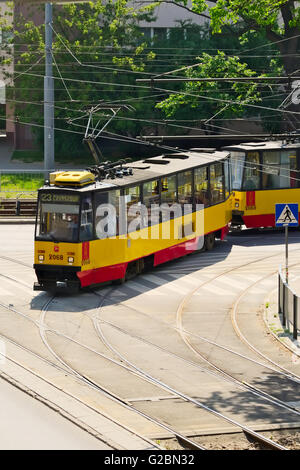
[288, 305]
[20, 183]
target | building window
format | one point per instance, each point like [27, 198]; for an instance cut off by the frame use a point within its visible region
[160, 34]
[146, 32]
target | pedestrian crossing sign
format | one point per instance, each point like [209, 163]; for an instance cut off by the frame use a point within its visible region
[286, 215]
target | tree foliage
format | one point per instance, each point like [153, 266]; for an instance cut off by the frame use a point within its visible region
[278, 20]
[97, 49]
[213, 96]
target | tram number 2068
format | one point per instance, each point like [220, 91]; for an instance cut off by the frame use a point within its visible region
[56, 257]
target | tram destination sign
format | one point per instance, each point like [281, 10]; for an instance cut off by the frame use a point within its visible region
[57, 197]
[286, 215]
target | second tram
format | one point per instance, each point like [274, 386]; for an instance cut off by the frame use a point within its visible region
[263, 174]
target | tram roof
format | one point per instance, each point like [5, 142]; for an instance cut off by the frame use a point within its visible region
[268, 145]
[152, 168]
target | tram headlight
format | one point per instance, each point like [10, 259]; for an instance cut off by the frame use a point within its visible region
[41, 257]
[70, 259]
[236, 204]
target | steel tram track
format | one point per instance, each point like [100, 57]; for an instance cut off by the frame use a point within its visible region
[179, 436]
[188, 442]
[262, 394]
[48, 302]
[72, 372]
[7, 258]
[290, 375]
[230, 378]
[247, 430]
[188, 296]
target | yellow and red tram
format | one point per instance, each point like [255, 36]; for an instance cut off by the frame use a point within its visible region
[79, 243]
[263, 174]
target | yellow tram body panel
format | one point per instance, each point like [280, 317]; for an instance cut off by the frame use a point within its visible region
[123, 249]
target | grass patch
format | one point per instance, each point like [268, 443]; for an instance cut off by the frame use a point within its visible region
[12, 184]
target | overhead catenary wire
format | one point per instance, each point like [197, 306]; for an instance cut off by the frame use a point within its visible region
[240, 103]
[88, 65]
[121, 138]
[66, 88]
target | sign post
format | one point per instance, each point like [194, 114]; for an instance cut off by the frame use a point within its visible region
[286, 215]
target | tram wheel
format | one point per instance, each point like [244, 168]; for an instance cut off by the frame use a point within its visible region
[209, 241]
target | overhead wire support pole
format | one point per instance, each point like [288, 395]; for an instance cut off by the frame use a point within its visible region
[48, 94]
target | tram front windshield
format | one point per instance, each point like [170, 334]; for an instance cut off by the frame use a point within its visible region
[237, 161]
[58, 221]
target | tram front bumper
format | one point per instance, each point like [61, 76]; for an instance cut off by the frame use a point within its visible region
[56, 278]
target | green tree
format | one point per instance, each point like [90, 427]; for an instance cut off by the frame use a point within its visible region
[226, 97]
[278, 20]
[265, 35]
[97, 51]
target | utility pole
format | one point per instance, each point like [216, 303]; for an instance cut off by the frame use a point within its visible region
[48, 94]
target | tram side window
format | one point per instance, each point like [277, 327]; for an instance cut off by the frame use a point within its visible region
[168, 196]
[251, 180]
[201, 191]
[217, 183]
[237, 160]
[86, 222]
[288, 169]
[132, 205]
[107, 213]
[151, 198]
[185, 189]
[271, 170]
[227, 178]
